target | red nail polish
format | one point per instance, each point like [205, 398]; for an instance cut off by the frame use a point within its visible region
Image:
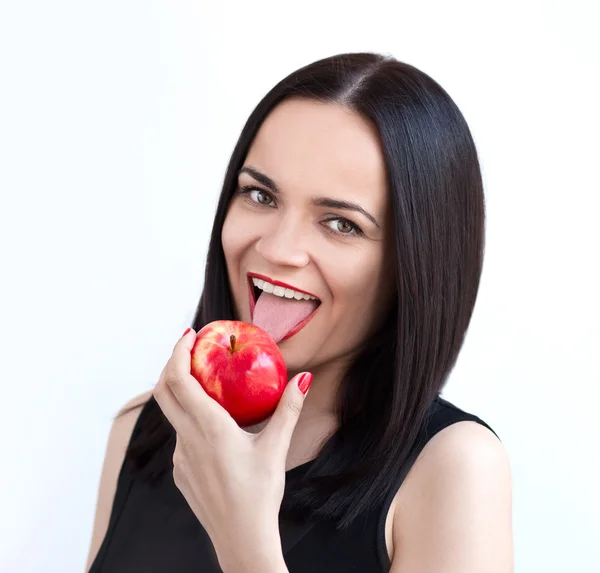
[185, 332]
[304, 382]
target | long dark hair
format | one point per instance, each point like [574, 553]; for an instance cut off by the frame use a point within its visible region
[438, 218]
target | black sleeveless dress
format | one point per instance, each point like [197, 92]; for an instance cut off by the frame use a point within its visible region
[153, 530]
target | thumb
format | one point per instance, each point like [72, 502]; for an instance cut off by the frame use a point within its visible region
[281, 425]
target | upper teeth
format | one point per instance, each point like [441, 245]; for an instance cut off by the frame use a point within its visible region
[281, 291]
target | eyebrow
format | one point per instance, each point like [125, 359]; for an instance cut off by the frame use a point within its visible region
[317, 201]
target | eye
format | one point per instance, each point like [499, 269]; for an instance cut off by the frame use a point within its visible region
[256, 195]
[342, 226]
[261, 197]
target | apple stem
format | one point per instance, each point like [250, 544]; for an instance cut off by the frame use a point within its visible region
[232, 343]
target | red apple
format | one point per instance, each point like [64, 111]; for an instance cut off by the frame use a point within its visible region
[239, 365]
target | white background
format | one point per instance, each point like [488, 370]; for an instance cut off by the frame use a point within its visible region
[117, 119]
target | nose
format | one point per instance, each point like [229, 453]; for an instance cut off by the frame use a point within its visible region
[282, 244]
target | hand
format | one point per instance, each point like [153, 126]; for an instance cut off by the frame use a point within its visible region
[232, 480]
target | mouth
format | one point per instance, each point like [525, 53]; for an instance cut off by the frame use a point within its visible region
[281, 309]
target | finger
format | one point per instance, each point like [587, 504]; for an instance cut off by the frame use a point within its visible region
[279, 430]
[190, 394]
[167, 402]
[182, 351]
[186, 389]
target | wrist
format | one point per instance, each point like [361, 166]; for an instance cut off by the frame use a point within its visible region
[256, 564]
[262, 555]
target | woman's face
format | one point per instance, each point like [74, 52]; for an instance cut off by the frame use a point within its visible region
[311, 210]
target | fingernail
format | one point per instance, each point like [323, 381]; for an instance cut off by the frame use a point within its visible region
[185, 332]
[304, 382]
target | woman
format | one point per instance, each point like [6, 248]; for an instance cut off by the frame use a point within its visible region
[355, 180]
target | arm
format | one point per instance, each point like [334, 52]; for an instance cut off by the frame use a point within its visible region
[456, 513]
[118, 440]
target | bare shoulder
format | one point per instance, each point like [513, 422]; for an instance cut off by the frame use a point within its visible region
[454, 510]
[467, 447]
[118, 439]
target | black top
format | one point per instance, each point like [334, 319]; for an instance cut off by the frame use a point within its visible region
[153, 530]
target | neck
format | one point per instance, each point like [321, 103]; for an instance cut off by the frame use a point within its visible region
[321, 401]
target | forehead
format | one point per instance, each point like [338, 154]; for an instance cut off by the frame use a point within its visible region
[321, 149]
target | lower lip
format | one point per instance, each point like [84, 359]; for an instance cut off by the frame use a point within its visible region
[294, 330]
[300, 325]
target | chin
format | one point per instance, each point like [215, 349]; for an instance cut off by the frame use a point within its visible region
[297, 356]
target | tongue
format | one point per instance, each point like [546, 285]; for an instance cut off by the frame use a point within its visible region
[278, 315]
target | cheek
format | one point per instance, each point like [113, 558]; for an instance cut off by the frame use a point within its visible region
[232, 249]
[227, 235]
[357, 287]
[235, 235]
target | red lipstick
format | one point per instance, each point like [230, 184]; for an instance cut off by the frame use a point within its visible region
[281, 284]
